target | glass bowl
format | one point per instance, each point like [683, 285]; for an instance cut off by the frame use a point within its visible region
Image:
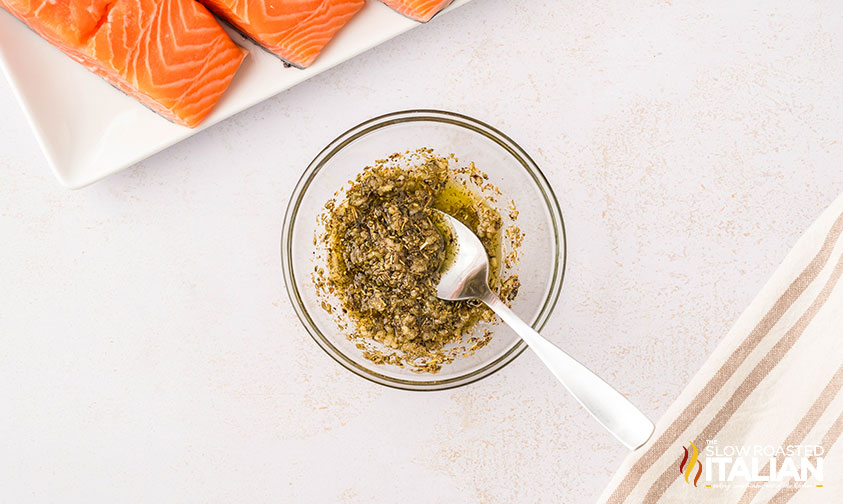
[541, 268]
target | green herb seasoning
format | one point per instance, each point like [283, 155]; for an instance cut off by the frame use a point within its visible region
[384, 252]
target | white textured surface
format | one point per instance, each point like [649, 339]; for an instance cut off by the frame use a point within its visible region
[149, 353]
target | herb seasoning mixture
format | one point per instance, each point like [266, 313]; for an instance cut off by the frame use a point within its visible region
[384, 252]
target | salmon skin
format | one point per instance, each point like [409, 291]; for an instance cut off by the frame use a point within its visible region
[420, 10]
[171, 55]
[294, 30]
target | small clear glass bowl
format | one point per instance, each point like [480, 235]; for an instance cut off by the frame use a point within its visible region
[540, 270]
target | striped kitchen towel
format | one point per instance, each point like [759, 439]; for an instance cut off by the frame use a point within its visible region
[761, 421]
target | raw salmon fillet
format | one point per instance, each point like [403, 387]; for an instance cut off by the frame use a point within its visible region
[420, 10]
[294, 30]
[171, 55]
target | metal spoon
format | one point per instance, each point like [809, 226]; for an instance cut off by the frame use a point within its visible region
[465, 276]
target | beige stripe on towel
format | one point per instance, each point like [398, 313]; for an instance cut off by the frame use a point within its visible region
[805, 425]
[785, 494]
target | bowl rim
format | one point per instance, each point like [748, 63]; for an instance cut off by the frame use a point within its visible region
[370, 126]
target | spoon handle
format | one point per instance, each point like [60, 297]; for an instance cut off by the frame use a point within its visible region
[607, 405]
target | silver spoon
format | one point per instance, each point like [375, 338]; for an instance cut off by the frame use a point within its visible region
[465, 276]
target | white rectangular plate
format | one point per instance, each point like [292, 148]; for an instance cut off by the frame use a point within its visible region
[88, 129]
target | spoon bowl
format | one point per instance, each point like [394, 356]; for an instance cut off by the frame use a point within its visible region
[465, 271]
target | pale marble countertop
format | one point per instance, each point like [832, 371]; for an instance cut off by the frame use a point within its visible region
[148, 351]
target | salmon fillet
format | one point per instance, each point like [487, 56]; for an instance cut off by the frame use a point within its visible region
[420, 10]
[294, 30]
[171, 55]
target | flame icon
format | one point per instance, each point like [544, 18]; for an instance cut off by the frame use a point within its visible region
[687, 466]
